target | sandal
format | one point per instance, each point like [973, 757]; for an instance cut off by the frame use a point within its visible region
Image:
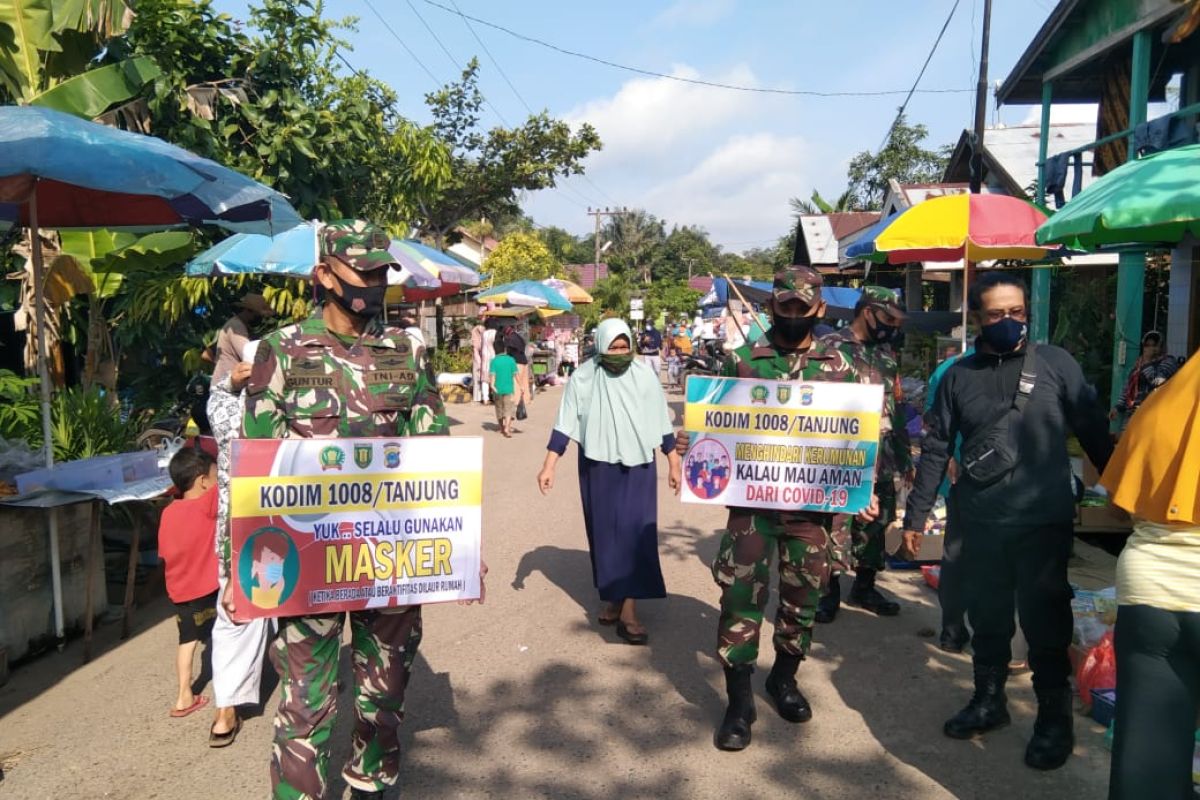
[605, 619]
[197, 704]
[631, 637]
[224, 739]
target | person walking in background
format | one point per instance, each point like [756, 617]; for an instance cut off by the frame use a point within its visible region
[615, 409]
[514, 344]
[650, 346]
[867, 342]
[502, 373]
[1014, 404]
[1152, 369]
[479, 367]
[1154, 474]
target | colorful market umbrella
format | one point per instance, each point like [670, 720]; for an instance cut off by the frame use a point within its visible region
[974, 227]
[294, 253]
[1153, 200]
[525, 293]
[410, 252]
[59, 171]
[570, 290]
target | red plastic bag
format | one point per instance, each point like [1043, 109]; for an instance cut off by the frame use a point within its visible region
[1098, 670]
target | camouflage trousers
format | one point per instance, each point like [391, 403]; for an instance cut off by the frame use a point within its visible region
[867, 549]
[305, 654]
[743, 571]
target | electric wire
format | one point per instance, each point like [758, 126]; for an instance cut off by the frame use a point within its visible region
[407, 49]
[682, 79]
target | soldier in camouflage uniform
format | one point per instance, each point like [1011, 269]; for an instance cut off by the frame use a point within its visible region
[340, 373]
[867, 342]
[803, 541]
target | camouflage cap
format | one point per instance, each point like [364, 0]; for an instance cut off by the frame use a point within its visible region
[798, 283]
[361, 245]
[880, 297]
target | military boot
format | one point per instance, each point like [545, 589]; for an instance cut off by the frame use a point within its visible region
[864, 595]
[1053, 732]
[363, 794]
[988, 708]
[781, 686]
[831, 601]
[734, 733]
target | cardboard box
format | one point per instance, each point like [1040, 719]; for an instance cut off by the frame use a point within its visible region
[1102, 519]
[931, 546]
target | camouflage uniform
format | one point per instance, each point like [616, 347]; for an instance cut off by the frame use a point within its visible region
[803, 539]
[310, 382]
[875, 362]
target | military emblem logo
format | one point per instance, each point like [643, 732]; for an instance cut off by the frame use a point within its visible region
[760, 394]
[806, 395]
[332, 458]
[363, 455]
[391, 455]
[783, 392]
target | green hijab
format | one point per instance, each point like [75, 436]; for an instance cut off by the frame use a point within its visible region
[619, 419]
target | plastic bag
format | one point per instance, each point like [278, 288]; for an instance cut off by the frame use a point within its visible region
[521, 412]
[1098, 670]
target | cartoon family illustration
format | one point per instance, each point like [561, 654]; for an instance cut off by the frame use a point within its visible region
[707, 469]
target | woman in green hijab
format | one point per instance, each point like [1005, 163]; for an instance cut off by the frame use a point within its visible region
[614, 407]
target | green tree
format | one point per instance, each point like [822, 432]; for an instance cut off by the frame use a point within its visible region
[521, 256]
[902, 159]
[490, 169]
[671, 297]
[635, 235]
[565, 246]
[685, 249]
[819, 205]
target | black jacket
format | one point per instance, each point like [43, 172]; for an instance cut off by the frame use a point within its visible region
[1040, 489]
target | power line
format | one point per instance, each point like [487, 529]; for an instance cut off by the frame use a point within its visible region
[921, 74]
[495, 63]
[408, 49]
[681, 79]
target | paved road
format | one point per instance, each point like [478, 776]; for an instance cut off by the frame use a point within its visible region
[528, 697]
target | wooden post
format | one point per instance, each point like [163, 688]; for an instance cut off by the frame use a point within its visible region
[131, 574]
[89, 610]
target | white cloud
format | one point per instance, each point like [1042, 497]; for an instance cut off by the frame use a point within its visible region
[694, 12]
[727, 161]
[1063, 114]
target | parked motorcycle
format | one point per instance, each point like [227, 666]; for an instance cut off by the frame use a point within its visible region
[706, 360]
[192, 406]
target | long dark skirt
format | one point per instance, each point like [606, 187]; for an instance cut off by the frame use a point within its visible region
[620, 511]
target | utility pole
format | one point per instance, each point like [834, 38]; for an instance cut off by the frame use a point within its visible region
[981, 99]
[689, 262]
[599, 214]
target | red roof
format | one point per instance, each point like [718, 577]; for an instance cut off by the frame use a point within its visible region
[701, 283]
[845, 223]
[589, 274]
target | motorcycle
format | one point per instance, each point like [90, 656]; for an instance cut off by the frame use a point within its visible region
[706, 360]
[192, 406]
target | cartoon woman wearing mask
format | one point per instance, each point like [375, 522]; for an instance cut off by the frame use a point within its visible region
[268, 586]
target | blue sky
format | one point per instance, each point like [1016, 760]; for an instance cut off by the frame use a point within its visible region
[724, 160]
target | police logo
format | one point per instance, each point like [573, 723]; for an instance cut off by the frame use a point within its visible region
[391, 455]
[806, 395]
[760, 394]
[363, 455]
[783, 393]
[332, 458]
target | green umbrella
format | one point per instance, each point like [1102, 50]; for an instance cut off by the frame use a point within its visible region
[1153, 200]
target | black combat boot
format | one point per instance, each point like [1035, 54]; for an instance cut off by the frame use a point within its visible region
[1053, 732]
[831, 601]
[988, 708]
[864, 595]
[781, 686]
[734, 733]
[363, 794]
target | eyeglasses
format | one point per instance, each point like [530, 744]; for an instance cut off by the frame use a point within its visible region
[993, 315]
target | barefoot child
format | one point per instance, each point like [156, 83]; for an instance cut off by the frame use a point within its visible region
[185, 543]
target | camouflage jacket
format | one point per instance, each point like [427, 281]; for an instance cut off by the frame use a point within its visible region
[876, 363]
[308, 382]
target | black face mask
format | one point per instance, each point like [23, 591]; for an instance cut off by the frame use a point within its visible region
[793, 330]
[365, 302]
[887, 334]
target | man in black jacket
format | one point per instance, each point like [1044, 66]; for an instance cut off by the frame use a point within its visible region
[1018, 526]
